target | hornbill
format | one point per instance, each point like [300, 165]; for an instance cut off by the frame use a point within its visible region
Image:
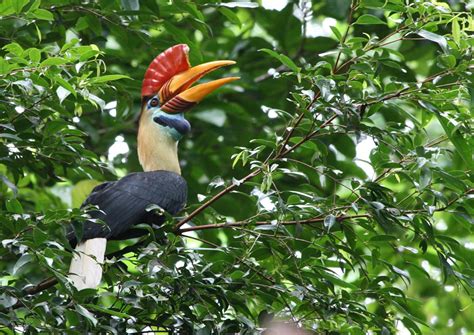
[167, 92]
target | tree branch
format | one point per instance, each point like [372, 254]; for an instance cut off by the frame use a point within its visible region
[449, 204]
[349, 23]
[318, 219]
[219, 195]
[44, 285]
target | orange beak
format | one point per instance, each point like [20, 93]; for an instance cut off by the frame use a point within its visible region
[177, 95]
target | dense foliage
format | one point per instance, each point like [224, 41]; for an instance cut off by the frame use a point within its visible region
[330, 186]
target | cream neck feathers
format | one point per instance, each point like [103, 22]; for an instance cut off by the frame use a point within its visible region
[156, 149]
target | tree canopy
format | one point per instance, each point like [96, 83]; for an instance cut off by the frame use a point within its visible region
[331, 186]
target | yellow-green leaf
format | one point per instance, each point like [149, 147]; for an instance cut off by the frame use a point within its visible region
[43, 14]
[14, 206]
[369, 19]
[53, 61]
[285, 60]
[107, 78]
[456, 31]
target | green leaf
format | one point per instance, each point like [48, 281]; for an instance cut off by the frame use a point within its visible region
[5, 67]
[455, 136]
[23, 260]
[329, 221]
[285, 60]
[53, 61]
[18, 5]
[14, 206]
[425, 178]
[35, 55]
[293, 200]
[192, 9]
[34, 5]
[6, 8]
[107, 78]
[337, 281]
[39, 236]
[230, 15]
[401, 272]
[10, 136]
[69, 45]
[14, 48]
[336, 32]
[450, 180]
[88, 315]
[409, 324]
[448, 60]
[62, 93]
[471, 102]
[7, 301]
[66, 85]
[369, 19]
[91, 53]
[456, 30]
[43, 14]
[53, 127]
[131, 4]
[382, 239]
[10, 185]
[440, 40]
[108, 311]
[82, 23]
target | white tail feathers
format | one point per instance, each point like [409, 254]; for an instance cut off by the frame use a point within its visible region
[86, 265]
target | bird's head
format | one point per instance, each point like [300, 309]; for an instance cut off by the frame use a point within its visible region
[167, 93]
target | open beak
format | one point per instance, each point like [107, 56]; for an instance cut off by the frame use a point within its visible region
[177, 95]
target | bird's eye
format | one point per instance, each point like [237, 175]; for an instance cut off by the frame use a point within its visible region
[154, 102]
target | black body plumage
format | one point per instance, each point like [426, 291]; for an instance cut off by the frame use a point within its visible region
[123, 203]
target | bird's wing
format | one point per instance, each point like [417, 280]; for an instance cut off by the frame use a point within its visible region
[123, 203]
[96, 191]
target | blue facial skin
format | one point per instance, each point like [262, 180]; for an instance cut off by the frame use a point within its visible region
[173, 124]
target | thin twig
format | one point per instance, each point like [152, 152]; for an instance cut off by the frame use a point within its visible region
[40, 100]
[346, 33]
[296, 124]
[309, 136]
